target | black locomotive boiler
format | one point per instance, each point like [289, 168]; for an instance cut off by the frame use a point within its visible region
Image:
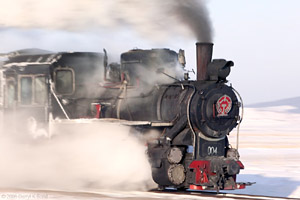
[146, 90]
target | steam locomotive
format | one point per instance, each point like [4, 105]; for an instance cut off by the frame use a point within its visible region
[147, 90]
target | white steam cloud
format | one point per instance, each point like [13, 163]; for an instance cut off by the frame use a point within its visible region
[80, 157]
[152, 19]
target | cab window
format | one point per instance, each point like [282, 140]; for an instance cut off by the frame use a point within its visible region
[64, 81]
[33, 90]
[40, 90]
[26, 90]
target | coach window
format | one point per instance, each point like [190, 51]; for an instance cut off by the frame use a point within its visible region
[10, 93]
[64, 81]
[26, 90]
[40, 94]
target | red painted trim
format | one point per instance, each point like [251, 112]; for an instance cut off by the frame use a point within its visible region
[240, 186]
[200, 187]
[98, 110]
[202, 170]
[240, 164]
[196, 187]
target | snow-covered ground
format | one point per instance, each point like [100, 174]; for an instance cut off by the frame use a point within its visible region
[270, 150]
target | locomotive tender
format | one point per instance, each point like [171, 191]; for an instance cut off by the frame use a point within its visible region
[146, 91]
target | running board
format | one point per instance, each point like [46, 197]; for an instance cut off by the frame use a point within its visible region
[112, 120]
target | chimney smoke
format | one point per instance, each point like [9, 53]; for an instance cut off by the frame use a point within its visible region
[186, 18]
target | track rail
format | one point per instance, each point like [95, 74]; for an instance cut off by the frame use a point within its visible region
[28, 194]
[222, 195]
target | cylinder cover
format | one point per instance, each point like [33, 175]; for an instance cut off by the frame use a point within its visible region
[176, 174]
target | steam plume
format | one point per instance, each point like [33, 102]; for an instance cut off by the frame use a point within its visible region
[155, 19]
[195, 16]
[79, 157]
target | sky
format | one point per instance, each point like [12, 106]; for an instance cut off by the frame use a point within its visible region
[260, 36]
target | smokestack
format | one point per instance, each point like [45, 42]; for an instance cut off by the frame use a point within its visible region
[204, 55]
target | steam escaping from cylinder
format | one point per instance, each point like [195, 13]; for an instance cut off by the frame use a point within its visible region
[79, 156]
[151, 19]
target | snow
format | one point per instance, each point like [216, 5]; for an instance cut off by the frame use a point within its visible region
[270, 151]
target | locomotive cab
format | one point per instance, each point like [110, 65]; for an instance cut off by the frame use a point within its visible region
[36, 83]
[76, 79]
